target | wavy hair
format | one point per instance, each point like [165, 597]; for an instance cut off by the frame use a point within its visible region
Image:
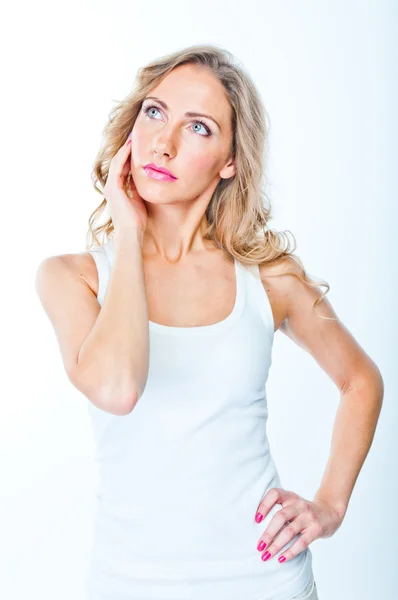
[239, 209]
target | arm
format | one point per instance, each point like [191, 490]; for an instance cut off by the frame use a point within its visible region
[118, 344]
[354, 373]
[353, 432]
[104, 350]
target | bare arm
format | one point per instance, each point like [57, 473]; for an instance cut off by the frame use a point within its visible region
[351, 369]
[118, 344]
[105, 350]
[353, 432]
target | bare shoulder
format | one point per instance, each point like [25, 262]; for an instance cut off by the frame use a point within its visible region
[84, 266]
[281, 280]
[64, 286]
[79, 265]
[315, 327]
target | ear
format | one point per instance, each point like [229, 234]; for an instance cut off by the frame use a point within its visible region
[229, 170]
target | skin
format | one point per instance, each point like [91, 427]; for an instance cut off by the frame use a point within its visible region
[176, 218]
[176, 210]
[361, 388]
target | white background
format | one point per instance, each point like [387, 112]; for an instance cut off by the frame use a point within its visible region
[326, 74]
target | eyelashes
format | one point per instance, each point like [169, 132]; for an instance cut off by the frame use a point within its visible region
[146, 109]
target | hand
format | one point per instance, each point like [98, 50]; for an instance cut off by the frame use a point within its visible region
[126, 212]
[316, 519]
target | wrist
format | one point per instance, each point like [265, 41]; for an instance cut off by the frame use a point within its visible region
[339, 507]
[129, 235]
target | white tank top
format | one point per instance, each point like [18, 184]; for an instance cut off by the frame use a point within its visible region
[181, 475]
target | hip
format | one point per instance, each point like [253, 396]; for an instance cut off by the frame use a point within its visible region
[310, 592]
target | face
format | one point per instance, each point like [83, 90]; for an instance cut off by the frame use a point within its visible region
[195, 151]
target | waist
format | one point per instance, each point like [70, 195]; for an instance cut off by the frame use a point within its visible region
[204, 513]
[178, 531]
[119, 574]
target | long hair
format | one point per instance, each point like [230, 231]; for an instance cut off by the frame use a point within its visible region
[239, 209]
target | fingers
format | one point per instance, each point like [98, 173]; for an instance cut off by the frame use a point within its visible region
[280, 523]
[123, 151]
[284, 524]
[303, 540]
[272, 497]
[274, 543]
[120, 166]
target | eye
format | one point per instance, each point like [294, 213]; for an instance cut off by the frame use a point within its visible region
[208, 132]
[204, 126]
[146, 110]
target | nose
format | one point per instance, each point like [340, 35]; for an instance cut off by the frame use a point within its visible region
[157, 149]
[163, 143]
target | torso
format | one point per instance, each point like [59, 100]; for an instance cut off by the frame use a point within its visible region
[203, 289]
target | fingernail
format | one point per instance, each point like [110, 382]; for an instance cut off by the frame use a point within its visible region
[266, 555]
[261, 545]
[259, 517]
[282, 558]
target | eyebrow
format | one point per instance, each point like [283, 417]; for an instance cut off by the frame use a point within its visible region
[187, 114]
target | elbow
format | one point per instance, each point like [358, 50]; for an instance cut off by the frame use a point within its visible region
[119, 405]
[127, 404]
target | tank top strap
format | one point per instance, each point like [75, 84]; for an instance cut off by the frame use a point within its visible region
[101, 257]
[258, 296]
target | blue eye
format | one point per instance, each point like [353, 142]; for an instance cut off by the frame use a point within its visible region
[147, 109]
[203, 125]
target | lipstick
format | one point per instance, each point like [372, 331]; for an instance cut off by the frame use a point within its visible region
[159, 173]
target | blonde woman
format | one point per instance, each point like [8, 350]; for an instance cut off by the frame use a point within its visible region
[166, 325]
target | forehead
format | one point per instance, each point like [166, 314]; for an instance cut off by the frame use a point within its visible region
[194, 88]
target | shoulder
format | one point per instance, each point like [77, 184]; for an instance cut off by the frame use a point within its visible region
[79, 265]
[286, 290]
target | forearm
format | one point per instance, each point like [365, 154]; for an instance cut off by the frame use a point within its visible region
[352, 437]
[115, 354]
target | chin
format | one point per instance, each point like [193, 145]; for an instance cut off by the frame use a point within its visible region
[153, 195]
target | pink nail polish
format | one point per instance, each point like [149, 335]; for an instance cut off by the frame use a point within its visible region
[281, 559]
[261, 545]
[266, 555]
[259, 517]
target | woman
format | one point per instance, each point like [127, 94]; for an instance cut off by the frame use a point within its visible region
[167, 328]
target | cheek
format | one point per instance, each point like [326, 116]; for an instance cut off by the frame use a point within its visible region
[202, 164]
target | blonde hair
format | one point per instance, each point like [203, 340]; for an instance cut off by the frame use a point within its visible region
[239, 209]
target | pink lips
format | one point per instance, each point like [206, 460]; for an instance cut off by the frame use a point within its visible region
[158, 173]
